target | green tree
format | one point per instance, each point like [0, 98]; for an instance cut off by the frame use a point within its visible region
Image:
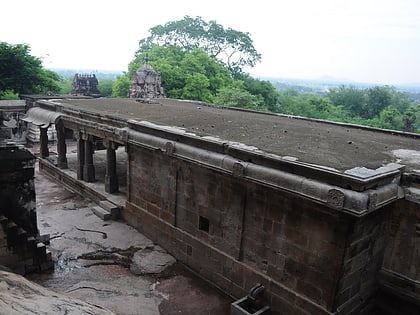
[322, 108]
[121, 86]
[409, 119]
[391, 118]
[23, 73]
[105, 87]
[66, 85]
[237, 96]
[197, 88]
[233, 48]
[265, 89]
[351, 98]
[378, 98]
[400, 100]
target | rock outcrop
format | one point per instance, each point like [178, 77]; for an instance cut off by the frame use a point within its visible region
[20, 296]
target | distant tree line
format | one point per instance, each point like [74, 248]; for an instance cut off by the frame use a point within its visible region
[378, 106]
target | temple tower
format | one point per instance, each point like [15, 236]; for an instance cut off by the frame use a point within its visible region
[146, 82]
[85, 84]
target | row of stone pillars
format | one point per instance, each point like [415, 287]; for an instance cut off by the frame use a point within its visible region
[61, 145]
[85, 150]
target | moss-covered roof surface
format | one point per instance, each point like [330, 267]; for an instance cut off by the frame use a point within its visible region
[338, 146]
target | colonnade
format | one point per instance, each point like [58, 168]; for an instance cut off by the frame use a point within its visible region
[85, 168]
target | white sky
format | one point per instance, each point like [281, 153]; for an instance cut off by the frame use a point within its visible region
[374, 41]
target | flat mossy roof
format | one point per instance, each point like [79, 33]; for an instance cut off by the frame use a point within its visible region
[337, 146]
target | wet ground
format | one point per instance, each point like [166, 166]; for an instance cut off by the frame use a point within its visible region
[93, 259]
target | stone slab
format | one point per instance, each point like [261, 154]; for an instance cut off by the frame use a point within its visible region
[147, 261]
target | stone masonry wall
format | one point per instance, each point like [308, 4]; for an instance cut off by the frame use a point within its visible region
[295, 242]
[403, 248]
[17, 190]
[20, 245]
[400, 275]
[236, 234]
[362, 261]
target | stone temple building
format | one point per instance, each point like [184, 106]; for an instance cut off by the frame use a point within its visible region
[146, 83]
[85, 84]
[324, 216]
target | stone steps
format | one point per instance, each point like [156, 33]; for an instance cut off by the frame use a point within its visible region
[20, 251]
[101, 213]
[106, 210]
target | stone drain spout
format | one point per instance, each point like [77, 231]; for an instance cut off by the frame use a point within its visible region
[251, 304]
[255, 294]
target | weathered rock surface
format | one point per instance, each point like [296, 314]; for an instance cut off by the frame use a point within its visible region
[20, 296]
[95, 269]
[150, 261]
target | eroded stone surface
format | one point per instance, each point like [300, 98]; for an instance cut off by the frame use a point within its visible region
[96, 269]
[20, 296]
[149, 261]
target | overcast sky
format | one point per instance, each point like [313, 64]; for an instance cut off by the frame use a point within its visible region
[374, 41]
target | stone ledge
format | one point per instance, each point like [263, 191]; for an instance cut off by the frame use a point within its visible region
[334, 197]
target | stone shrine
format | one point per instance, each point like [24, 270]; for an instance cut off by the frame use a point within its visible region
[146, 82]
[12, 128]
[85, 84]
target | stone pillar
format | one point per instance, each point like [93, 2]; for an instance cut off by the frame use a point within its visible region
[43, 142]
[111, 177]
[80, 155]
[88, 167]
[61, 146]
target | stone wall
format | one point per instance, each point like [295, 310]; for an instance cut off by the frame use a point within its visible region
[20, 245]
[400, 274]
[237, 233]
[366, 243]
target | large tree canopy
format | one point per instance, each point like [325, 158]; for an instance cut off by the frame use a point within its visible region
[22, 73]
[202, 61]
[232, 48]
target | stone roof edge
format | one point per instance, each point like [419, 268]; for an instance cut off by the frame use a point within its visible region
[340, 199]
[256, 156]
[223, 156]
[12, 105]
[41, 117]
